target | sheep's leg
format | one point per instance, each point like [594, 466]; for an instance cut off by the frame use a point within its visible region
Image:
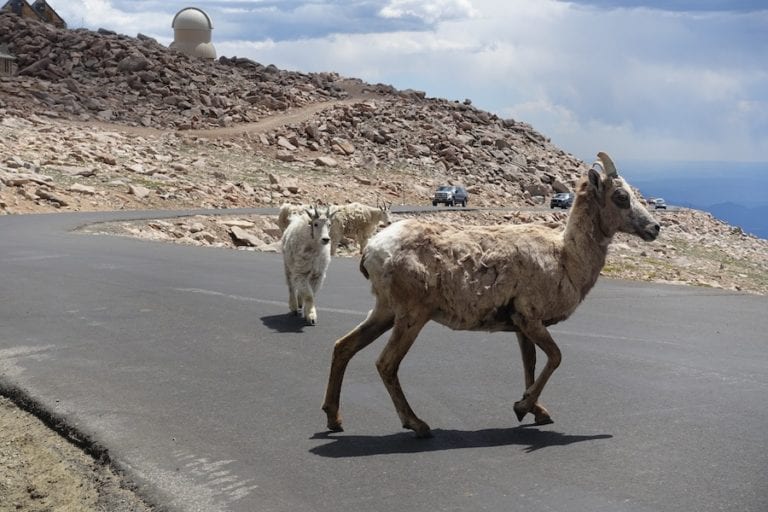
[377, 323]
[539, 335]
[528, 351]
[403, 335]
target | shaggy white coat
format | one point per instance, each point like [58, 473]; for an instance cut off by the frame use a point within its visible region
[306, 256]
[358, 222]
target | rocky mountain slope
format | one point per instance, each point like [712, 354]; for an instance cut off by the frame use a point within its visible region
[98, 120]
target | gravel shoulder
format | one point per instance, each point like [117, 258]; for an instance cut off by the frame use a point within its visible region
[41, 470]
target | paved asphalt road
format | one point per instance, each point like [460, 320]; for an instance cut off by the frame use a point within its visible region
[184, 363]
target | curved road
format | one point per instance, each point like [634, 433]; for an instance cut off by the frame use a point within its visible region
[183, 362]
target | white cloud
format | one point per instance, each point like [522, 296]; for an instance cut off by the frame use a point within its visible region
[429, 11]
[103, 14]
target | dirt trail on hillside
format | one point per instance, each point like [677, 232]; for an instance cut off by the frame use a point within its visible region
[293, 116]
[357, 93]
[277, 120]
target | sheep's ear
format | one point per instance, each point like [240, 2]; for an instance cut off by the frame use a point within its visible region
[595, 177]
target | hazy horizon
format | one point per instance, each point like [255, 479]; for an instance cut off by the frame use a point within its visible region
[735, 192]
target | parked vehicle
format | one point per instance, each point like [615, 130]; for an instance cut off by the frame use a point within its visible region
[561, 200]
[450, 196]
[659, 203]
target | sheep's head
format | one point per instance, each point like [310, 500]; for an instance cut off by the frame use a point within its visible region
[619, 208]
[320, 223]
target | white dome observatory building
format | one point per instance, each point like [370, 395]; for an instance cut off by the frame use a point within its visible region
[192, 33]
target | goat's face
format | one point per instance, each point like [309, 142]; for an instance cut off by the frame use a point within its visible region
[320, 224]
[386, 217]
[620, 209]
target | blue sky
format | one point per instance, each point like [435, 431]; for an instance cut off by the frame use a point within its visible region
[659, 80]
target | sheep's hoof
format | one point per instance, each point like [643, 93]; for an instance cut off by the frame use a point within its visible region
[334, 420]
[312, 321]
[421, 429]
[541, 415]
[521, 409]
[424, 434]
[335, 426]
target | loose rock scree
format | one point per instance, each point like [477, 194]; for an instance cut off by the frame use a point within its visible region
[519, 278]
[306, 256]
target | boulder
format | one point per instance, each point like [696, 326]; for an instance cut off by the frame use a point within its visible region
[326, 161]
[242, 238]
[138, 191]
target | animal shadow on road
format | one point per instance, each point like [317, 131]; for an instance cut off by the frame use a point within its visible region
[404, 442]
[287, 322]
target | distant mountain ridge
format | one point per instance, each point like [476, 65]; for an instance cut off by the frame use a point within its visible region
[735, 192]
[752, 220]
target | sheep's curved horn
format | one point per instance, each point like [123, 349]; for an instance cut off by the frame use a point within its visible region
[608, 165]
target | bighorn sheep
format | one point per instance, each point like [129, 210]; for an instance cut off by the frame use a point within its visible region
[306, 256]
[519, 278]
[359, 222]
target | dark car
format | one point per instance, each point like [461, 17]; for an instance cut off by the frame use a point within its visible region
[450, 196]
[561, 200]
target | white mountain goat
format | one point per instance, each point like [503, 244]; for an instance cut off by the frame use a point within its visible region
[306, 256]
[358, 221]
[519, 278]
[288, 210]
